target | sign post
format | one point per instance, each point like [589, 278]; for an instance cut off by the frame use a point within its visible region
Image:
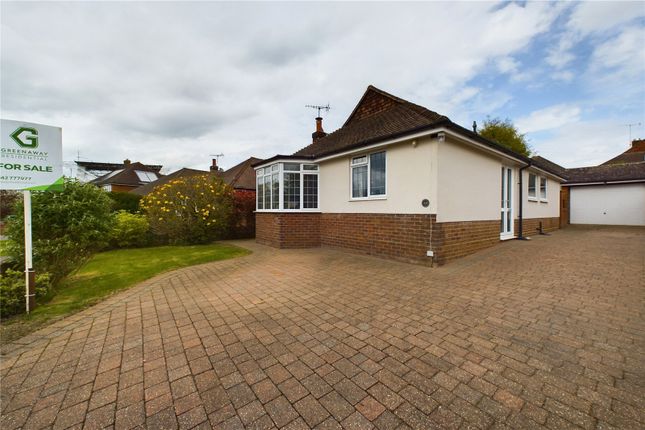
[31, 159]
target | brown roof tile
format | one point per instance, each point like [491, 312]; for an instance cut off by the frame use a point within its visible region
[378, 115]
[126, 176]
[607, 173]
[241, 176]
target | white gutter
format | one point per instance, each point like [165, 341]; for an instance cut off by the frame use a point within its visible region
[285, 160]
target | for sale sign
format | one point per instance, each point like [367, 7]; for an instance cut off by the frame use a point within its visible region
[31, 156]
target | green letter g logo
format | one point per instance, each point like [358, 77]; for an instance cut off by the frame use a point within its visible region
[28, 140]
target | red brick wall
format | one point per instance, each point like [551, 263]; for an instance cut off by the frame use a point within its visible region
[288, 230]
[530, 226]
[452, 240]
[398, 236]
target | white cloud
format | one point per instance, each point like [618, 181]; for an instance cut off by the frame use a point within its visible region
[584, 143]
[171, 83]
[549, 118]
[593, 17]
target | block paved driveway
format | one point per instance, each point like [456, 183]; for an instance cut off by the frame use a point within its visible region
[547, 333]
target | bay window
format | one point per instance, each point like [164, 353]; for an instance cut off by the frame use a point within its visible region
[288, 187]
[368, 176]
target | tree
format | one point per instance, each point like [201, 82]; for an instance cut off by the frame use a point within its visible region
[506, 134]
[193, 209]
[67, 227]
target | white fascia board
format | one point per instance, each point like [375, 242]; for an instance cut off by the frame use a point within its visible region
[285, 160]
[378, 145]
[582, 184]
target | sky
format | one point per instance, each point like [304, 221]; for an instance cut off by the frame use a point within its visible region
[172, 83]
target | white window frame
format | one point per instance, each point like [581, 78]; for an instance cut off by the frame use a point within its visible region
[532, 198]
[538, 188]
[544, 199]
[278, 167]
[353, 164]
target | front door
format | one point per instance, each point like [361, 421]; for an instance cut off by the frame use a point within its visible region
[506, 222]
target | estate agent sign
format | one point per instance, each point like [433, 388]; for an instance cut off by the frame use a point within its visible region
[31, 156]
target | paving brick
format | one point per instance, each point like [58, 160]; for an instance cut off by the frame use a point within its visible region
[489, 341]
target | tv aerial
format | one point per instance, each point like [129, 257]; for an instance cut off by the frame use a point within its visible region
[320, 108]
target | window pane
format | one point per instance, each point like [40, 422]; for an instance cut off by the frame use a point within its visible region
[291, 196]
[260, 193]
[275, 168]
[310, 191]
[309, 167]
[359, 160]
[267, 192]
[543, 188]
[293, 167]
[275, 185]
[259, 172]
[359, 181]
[377, 174]
[532, 185]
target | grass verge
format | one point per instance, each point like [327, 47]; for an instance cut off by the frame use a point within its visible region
[108, 272]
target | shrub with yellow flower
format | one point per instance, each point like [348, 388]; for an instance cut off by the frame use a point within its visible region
[193, 209]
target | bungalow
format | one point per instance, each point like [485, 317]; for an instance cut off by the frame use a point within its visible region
[127, 178]
[400, 181]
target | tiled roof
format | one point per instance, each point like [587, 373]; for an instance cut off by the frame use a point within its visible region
[93, 165]
[635, 154]
[241, 176]
[549, 166]
[147, 188]
[125, 176]
[378, 115]
[607, 173]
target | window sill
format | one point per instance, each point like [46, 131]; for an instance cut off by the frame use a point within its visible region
[362, 199]
[544, 201]
[533, 199]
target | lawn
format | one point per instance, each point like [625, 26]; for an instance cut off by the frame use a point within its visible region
[108, 272]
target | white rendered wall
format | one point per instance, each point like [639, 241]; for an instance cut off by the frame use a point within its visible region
[608, 204]
[540, 208]
[410, 174]
[469, 184]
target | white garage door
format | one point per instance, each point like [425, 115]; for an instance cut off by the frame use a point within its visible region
[608, 204]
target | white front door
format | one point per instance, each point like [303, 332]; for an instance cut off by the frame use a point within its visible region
[506, 222]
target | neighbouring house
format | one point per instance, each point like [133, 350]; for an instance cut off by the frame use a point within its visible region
[612, 193]
[400, 181]
[131, 176]
[87, 171]
[145, 189]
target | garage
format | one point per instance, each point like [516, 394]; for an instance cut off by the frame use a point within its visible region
[607, 194]
[618, 204]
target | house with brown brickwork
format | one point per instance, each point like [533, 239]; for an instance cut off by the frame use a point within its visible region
[400, 181]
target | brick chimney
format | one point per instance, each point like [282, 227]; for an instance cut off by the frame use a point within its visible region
[319, 130]
[638, 145]
[214, 167]
[126, 162]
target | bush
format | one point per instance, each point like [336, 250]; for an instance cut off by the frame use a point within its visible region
[125, 202]
[194, 209]
[12, 291]
[7, 202]
[67, 227]
[129, 230]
